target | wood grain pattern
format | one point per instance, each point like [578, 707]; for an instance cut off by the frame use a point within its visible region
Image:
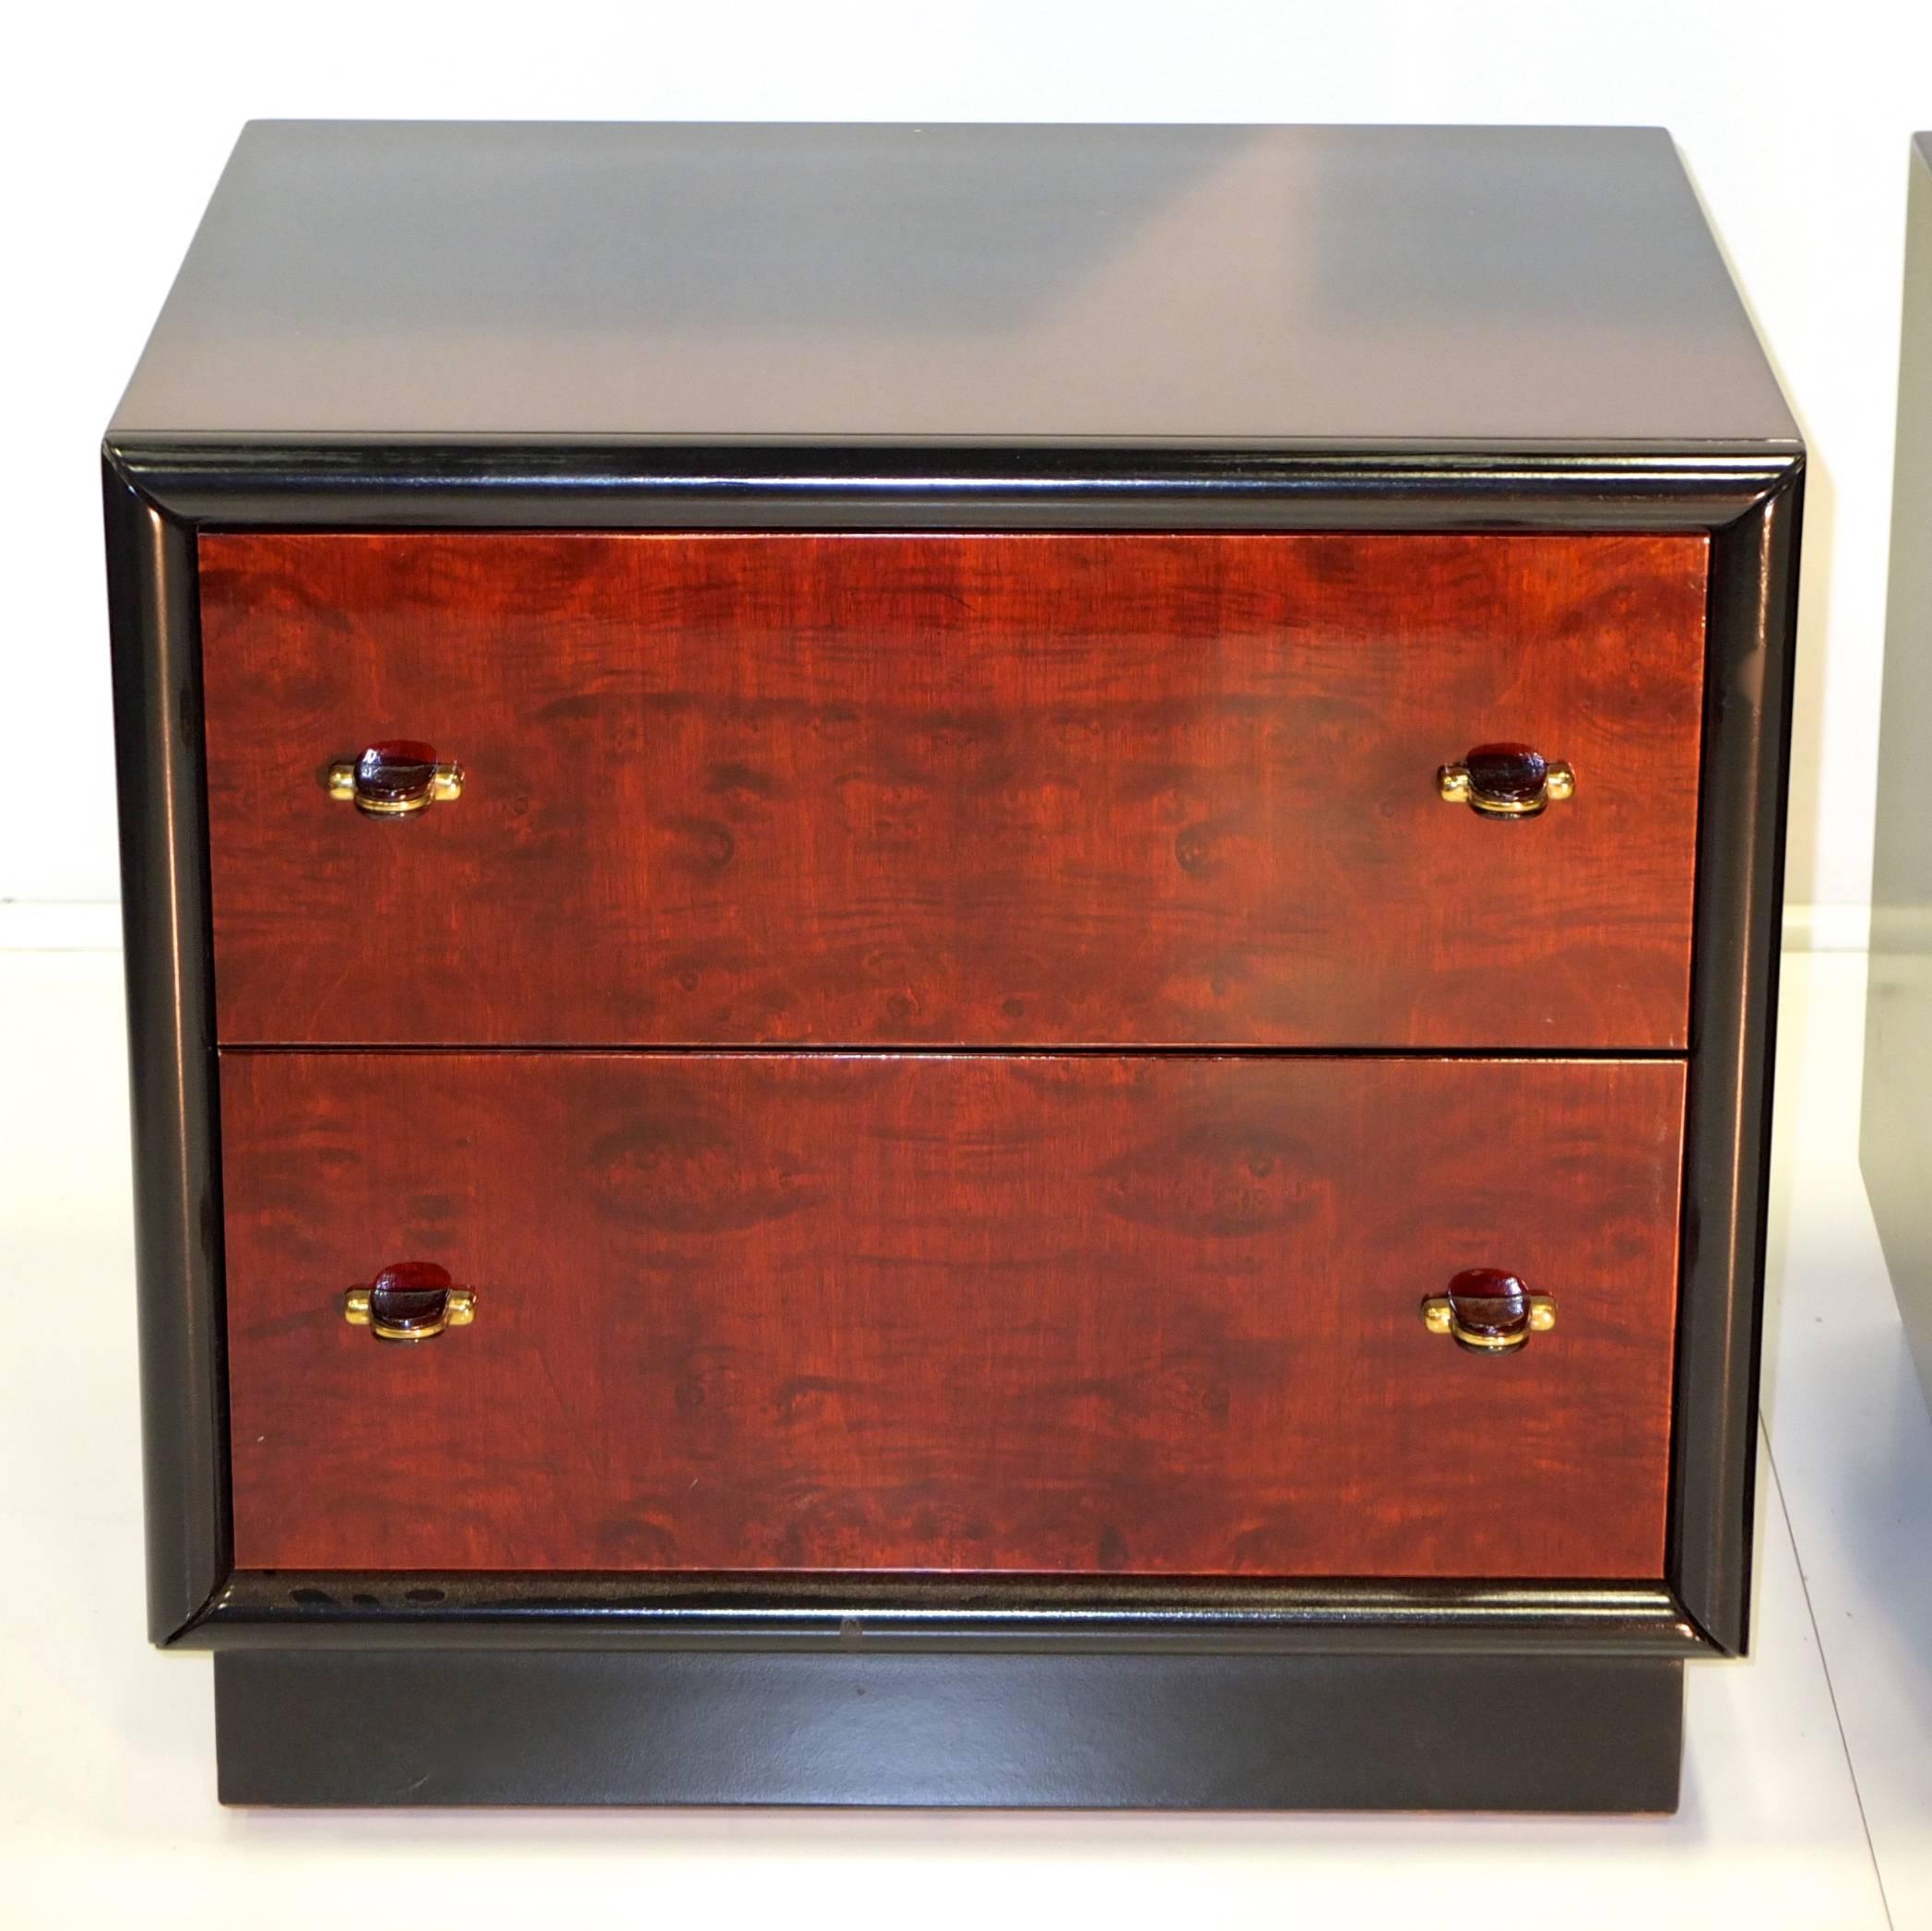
[1087, 1314]
[997, 790]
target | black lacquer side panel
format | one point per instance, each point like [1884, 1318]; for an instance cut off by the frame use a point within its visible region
[1732, 1026]
[1210, 1733]
[153, 614]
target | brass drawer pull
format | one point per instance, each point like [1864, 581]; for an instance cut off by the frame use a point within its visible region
[1488, 1312]
[1506, 781]
[395, 779]
[410, 1300]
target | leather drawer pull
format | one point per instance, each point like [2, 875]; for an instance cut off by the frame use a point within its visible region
[1506, 781]
[409, 1300]
[396, 779]
[1488, 1312]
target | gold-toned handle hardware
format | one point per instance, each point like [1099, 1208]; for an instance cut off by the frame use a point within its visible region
[396, 779]
[1439, 1314]
[1488, 1312]
[412, 1300]
[1506, 781]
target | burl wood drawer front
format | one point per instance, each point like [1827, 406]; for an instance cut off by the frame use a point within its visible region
[1132, 789]
[1132, 1315]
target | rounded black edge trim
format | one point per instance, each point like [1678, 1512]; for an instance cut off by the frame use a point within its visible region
[1752, 623]
[154, 635]
[324, 484]
[201, 482]
[1048, 1614]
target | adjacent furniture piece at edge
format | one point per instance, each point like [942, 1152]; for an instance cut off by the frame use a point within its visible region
[1895, 1143]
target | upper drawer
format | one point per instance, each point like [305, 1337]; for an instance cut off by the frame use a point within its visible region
[976, 789]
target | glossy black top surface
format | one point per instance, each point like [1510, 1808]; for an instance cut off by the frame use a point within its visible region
[1498, 287]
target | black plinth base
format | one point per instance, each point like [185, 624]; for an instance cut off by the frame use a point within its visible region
[1192, 1731]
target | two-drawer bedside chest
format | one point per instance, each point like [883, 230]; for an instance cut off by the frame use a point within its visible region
[951, 957]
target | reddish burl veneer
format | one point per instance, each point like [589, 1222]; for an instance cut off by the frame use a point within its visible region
[1080, 1314]
[979, 790]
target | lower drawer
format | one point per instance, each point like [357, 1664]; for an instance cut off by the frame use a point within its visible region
[1155, 1314]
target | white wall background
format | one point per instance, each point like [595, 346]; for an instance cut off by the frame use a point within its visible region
[1794, 116]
